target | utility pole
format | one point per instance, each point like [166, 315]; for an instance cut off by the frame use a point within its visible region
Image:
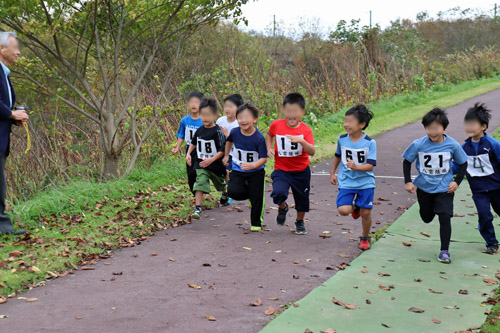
[274, 26]
[370, 19]
[495, 12]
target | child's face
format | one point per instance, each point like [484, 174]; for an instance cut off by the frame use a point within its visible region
[194, 104]
[293, 114]
[473, 128]
[230, 109]
[435, 131]
[352, 124]
[207, 116]
[246, 120]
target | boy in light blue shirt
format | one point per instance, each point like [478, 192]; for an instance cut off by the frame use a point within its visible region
[355, 158]
[435, 186]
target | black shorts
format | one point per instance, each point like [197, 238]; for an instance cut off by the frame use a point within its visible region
[435, 203]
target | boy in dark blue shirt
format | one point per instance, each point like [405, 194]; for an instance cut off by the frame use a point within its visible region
[483, 171]
[249, 151]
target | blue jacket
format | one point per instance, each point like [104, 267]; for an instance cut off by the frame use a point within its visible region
[483, 164]
[5, 112]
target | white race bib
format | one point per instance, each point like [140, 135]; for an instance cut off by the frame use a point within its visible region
[244, 156]
[434, 164]
[286, 148]
[359, 156]
[206, 148]
[479, 166]
[189, 134]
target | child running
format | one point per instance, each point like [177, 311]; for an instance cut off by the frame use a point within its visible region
[357, 156]
[483, 171]
[293, 145]
[434, 184]
[209, 143]
[247, 178]
[188, 126]
[228, 122]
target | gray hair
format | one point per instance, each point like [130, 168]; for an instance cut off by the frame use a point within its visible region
[4, 37]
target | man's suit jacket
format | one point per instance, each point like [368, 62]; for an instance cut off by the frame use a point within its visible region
[5, 112]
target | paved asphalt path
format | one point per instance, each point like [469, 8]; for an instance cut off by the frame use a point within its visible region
[152, 293]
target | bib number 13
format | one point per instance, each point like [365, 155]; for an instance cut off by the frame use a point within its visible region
[287, 148]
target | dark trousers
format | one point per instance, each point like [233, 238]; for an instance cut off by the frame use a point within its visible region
[483, 201]
[5, 222]
[440, 204]
[299, 181]
[249, 185]
[191, 172]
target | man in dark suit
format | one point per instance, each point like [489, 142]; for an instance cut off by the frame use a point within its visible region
[9, 52]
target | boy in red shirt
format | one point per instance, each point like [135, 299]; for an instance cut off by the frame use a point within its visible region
[294, 144]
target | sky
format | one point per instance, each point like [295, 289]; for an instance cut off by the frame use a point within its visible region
[325, 14]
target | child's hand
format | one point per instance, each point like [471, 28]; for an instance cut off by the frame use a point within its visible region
[225, 160]
[270, 152]
[175, 150]
[410, 187]
[333, 179]
[295, 139]
[247, 166]
[452, 187]
[188, 159]
[225, 131]
[206, 162]
[351, 165]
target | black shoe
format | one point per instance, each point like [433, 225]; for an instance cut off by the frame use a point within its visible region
[282, 215]
[224, 198]
[491, 249]
[300, 228]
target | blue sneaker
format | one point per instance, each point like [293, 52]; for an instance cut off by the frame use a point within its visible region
[444, 257]
[230, 201]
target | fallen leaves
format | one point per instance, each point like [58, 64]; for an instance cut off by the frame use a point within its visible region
[451, 307]
[210, 317]
[436, 321]
[86, 268]
[463, 292]
[154, 254]
[344, 255]
[247, 248]
[381, 286]
[425, 234]
[406, 244]
[3, 299]
[347, 306]
[270, 311]
[194, 286]
[416, 310]
[435, 292]
[490, 282]
[15, 254]
[256, 303]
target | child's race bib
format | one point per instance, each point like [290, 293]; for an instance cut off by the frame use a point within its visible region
[286, 148]
[244, 156]
[189, 134]
[479, 166]
[434, 164]
[359, 156]
[206, 148]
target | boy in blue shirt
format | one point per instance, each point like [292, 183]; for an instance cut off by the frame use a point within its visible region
[434, 184]
[357, 156]
[188, 126]
[483, 171]
[249, 152]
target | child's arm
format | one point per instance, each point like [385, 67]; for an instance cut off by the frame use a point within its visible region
[308, 147]
[410, 187]
[207, 161]
[462, 169]
[229, 145]
[269, 145]
[188, 154]
[359, 167]
[177, 146]
[335, 165]
[255, 165]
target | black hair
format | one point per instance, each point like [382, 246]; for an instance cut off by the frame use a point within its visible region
[295, 98]
[480, 113]
[438, 115]
[362, 113]
[195, 94]
[208, 102]
[247, 106]
[236, 99]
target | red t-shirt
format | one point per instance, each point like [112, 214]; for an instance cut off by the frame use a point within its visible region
[290, 156]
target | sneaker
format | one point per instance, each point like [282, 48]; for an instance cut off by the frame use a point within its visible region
[444, 257]
[491, 249]
[300, 228]
[282, 215]
[255, 228]
[230, 201]
[224, 199]
[355, 212]
[196, 214]
[364, 243]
